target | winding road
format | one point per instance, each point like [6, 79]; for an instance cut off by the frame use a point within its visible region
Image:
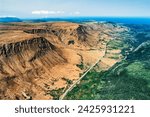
[76, 82]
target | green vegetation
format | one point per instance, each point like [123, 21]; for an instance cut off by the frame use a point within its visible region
[117, 44]
[114, 44]
[123, 43]
[138, 69]
[127, 80]
[114, 56]
[81, 65]
[69, 82]
[56, 93]
[85, 88]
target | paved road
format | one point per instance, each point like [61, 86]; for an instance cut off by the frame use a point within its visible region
[75, 83]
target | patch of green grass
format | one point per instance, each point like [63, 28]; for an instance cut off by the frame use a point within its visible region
[117, 44]
[85, 89]
[114, 57]
[69, 82]
[56, 93]
[137, 69]
[81, 65]
[129, 81]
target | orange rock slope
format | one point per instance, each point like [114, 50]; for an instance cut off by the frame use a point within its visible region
[36, 59]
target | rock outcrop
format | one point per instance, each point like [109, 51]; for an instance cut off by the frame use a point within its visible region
[40, 44]
[36, 58]
[23, 62]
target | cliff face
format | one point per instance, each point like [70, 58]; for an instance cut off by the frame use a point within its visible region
[40, 44]
[80, 35]
[62, 33]
[37, 59]
[88, 35]
[21, 63]
[94, 34]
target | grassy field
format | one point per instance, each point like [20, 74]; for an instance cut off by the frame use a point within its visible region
[130, 81]
[127, 80]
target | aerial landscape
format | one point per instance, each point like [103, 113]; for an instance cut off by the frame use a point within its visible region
[75, 57]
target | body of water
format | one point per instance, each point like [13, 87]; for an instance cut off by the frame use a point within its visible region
[125, 20]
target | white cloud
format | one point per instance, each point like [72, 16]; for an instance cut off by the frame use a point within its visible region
[39, 12]
[46, 12]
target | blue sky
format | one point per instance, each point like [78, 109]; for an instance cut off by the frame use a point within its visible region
[63, 8]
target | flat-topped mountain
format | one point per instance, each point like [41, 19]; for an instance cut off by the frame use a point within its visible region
[42, 60]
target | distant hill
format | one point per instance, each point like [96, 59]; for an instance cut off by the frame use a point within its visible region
[10, 19]
[141, 52]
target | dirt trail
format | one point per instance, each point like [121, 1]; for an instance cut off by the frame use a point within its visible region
[75, 83]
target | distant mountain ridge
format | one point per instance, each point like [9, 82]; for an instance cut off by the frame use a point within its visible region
[10, 19]
[124, 20]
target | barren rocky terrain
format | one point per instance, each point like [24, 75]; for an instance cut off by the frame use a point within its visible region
[42, 60]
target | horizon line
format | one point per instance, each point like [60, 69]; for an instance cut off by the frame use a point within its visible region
[75, 17]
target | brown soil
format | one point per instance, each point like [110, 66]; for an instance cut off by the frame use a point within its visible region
[35, 58]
